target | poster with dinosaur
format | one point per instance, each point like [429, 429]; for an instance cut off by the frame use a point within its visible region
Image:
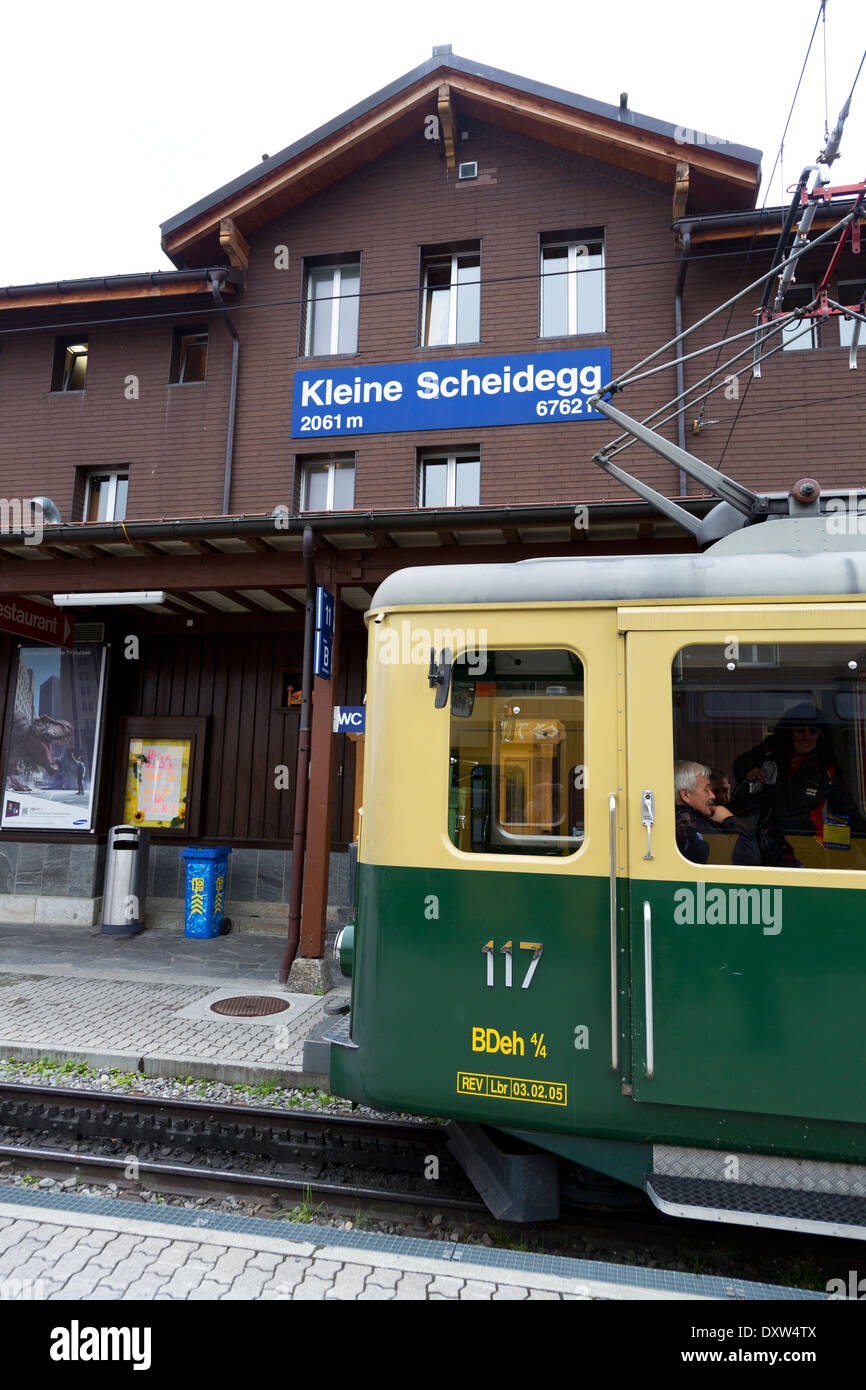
[53, 739]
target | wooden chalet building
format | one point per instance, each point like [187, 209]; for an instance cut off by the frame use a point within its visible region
[355, 341]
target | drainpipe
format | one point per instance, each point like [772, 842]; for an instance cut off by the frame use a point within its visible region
[302, 774]
[215, 278]
[678, 329]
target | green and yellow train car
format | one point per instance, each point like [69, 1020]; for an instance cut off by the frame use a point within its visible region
[533, 955]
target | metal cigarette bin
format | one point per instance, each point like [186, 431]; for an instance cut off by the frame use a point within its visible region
[125, 880]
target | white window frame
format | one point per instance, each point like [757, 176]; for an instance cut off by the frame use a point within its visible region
[574, 248]
[333, 462]
[186, 342]
[436, 257]
[452, 460]
[111, 504]
[336, 299]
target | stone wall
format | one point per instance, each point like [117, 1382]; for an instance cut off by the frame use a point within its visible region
[62, 884]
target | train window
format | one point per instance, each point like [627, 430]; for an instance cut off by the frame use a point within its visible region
[517, 753]
[770, 755]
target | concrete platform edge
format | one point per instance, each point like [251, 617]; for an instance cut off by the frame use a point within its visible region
[242, 1073]
[560, 1273]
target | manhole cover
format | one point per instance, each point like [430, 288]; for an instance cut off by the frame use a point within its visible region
[250, 1006]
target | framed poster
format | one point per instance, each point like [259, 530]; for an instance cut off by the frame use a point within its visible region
[53, 747]
[162, 763]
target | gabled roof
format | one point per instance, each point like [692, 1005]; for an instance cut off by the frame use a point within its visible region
[719, 173]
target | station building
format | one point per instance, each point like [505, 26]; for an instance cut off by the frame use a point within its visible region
[383, 337]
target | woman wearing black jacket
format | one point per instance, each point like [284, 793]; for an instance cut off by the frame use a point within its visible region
[795, 776]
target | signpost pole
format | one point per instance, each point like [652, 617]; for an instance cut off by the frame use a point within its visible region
[319, 810]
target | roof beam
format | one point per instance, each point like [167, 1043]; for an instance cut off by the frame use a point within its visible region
[681, 189]
[280, 594]
[234, 243]
[249, 605]
[447, 125]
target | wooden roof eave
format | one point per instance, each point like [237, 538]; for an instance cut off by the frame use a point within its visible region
[365, 138]
[385, 127]
[53, 297]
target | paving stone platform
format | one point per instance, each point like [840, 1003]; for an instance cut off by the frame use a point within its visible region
[141, 1003]
[66, 1246]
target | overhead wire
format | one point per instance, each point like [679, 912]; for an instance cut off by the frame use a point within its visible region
[826, 136]
[780, 152]
[296, 301]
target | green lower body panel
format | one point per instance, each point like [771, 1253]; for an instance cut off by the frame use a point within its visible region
[486, 996]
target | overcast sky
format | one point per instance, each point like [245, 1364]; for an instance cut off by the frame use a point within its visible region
[115, 117]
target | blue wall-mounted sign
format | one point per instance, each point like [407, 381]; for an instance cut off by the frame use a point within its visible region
[324, 611]
[323, 656]
[455, 393]
[350, 719]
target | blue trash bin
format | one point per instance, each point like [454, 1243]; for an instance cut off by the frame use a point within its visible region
[206, 871]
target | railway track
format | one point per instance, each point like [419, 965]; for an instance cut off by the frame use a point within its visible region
[274, 1157]
[219, 1150]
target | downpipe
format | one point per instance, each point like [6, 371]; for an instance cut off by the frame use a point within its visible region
[302, 772]
[233, 391]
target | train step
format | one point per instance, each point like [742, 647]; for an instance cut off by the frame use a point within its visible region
[750, 1204]
[334, 1028]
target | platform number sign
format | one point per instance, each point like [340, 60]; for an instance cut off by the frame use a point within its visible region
[325, 611]
[323, 655]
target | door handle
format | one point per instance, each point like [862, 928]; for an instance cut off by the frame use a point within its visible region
[614, 1020]
[648, 816]
[648, 987]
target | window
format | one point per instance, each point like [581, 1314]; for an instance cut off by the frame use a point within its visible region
[450, 480]
[785, 737]
[451, 296]
[188, 355]
[800, 333]
[70, 364]
[517, 753]
[331, 308]
[328, 483]
[851, 292]
[105, 498]
[572, 283]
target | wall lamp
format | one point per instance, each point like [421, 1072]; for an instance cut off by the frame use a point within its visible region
[108, 599]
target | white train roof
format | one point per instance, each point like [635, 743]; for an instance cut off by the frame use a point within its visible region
[812, 556]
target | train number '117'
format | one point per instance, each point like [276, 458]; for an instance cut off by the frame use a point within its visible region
[488, 950]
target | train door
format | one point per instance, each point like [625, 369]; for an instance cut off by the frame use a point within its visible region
[748, 949]
[482, 985]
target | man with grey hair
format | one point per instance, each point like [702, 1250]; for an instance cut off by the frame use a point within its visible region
[698, 815]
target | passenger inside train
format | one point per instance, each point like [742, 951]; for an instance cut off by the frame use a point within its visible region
[789, 721]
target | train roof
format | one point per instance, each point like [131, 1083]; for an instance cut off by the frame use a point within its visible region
[812, 561]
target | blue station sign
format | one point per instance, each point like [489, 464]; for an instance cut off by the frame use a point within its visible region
[324, 611]
[350, 719]
[457, 393]
[323, 656]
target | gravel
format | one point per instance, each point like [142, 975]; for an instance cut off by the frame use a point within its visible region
[48, 1071]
